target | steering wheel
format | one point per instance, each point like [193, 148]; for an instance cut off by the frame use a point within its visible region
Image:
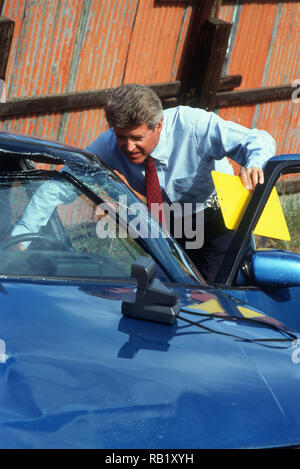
[23, 237]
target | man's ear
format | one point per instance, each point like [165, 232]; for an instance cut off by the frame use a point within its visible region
[159, 125]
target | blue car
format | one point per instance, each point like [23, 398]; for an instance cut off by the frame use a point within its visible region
[110, 338]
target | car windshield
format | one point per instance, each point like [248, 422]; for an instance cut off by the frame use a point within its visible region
[76, 223]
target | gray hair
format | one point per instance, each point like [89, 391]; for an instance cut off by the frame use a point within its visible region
[133, 105]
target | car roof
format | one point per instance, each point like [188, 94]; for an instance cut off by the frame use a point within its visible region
[42, 150]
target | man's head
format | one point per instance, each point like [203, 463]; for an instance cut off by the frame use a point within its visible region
[135, 113]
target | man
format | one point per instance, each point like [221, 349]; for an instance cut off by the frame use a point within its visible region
[186, 144]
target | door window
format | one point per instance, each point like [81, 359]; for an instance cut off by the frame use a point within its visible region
[288, 189]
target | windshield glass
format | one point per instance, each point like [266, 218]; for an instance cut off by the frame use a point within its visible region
[52, 226]
[130, 210]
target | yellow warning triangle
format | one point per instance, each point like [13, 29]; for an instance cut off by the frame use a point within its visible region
[234, 198]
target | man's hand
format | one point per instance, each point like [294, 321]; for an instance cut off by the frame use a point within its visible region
[16, 247]
[251, 176]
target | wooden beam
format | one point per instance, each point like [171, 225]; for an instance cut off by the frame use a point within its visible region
[6, 35]
[212, 52]
[74, 101]
[253, 96]
[228, 82]
[189, 65]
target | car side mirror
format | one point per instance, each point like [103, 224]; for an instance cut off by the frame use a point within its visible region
[272, 268]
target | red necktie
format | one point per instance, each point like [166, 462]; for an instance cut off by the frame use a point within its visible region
[153, 192]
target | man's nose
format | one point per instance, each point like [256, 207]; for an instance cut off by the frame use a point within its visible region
[130, 145]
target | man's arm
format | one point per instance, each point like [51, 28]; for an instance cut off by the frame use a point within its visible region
[40, 208]
[251, 148]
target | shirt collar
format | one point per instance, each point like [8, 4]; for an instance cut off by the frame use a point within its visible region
[160, 152]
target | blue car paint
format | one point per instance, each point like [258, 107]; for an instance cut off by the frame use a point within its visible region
[79, 375]
[282, 303]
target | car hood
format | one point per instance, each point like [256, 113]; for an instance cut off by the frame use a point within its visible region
[75, 373]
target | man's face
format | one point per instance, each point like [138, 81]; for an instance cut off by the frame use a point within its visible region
[138, 142]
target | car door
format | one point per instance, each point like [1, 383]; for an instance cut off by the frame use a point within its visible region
[265, 272]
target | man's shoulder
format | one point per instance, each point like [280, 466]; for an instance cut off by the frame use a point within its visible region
[185, 114]
[104, 142]
[108, 136]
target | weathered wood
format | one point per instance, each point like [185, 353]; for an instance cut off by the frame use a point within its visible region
[168, 92]
[76, 100]
[6, 35]
[189, 67]
[253, 95]
[168, 89]
[204, 76]
[215, 39]
[228, 82]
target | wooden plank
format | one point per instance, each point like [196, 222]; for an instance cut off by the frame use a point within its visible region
[6, 35]
[201, 11]
[212, 52]
[228, 82]
[254, 95]
[155, 44]
[75, 100]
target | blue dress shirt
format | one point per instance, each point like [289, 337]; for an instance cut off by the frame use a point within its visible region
[192, 143]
